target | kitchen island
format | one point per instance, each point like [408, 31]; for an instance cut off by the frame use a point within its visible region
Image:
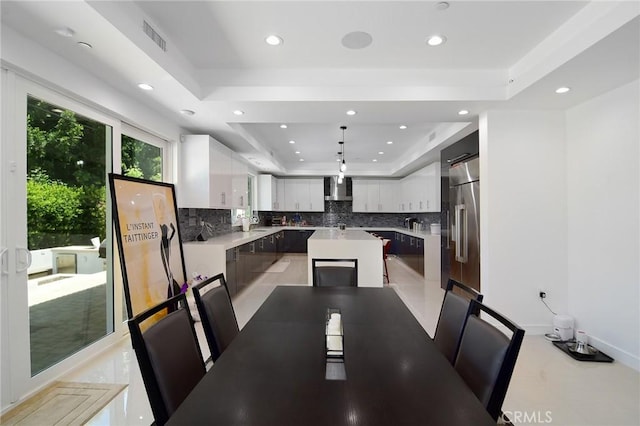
[348, 244]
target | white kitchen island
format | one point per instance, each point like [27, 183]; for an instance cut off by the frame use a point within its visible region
[348, 244]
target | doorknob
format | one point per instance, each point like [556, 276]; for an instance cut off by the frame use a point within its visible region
[4, 267]
[22, 265]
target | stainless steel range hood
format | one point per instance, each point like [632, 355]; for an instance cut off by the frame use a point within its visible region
[334, 191]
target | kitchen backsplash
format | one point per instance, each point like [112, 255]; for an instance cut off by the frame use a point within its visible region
[334, 212]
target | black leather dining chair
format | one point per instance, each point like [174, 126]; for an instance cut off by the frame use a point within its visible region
[216, 313]
[453, 314]
[168, 354]
[335, 272]
[487, 356]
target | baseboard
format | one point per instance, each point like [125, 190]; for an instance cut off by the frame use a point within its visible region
[619, 355]
[536, 329]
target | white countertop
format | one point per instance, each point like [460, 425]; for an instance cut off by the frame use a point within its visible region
[347, 234]
[235, 239]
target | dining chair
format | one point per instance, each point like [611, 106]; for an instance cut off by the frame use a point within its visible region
[453, 314]
[335, 272]
[168, 354]
[216, 314]
[487, 356]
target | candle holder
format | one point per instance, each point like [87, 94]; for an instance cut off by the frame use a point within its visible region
[334, 335]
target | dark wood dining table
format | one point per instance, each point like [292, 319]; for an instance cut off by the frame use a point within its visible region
[274, 372]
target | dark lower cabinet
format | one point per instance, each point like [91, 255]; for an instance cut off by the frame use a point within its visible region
[247, 262]
[295, 241]
[231, 275]
[410, 250]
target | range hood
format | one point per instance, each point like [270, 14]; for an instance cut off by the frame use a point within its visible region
[334, 191]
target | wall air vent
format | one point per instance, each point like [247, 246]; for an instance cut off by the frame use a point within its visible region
[153, 35]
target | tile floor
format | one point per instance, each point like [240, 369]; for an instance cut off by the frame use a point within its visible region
[547, 386]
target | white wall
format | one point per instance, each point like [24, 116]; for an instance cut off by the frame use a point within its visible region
[603, 159]
[523, 213]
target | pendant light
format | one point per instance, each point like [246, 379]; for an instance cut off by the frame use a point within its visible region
[343, 165]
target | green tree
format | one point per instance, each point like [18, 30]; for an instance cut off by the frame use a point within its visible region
[52, 210]
[66, 156]
[141, 160]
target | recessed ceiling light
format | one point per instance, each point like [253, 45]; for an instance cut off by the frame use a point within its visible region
[297, 152]
[292, 142]
[374, 160]
[65, 32]
[273, 40]
[302, 159]
[380, 152]
[145, 86]
[283, 126]
[238, 112]
[436, 40]
[463, 112]
[85, 45]
[402, 127]
[389, 142]
[563, 89]
[351, 112]
[187, 112]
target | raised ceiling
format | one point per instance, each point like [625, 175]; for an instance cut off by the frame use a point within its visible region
[503, 54]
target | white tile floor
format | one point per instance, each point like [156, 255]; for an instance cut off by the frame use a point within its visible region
[547, 386]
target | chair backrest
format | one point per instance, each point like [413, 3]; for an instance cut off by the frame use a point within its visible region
[453, 314]
[168, 354]
[335, 272]
[216, 313]
[487, 357]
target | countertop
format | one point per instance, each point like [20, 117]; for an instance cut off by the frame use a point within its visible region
[330, 234]
[238, 238]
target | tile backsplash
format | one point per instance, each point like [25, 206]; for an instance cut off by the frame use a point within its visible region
[334, 212]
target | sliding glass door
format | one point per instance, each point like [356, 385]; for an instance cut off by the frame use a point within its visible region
[59, 299]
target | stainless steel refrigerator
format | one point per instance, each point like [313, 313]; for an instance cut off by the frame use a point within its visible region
[464, 222]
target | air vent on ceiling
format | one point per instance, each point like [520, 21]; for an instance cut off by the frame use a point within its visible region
[153, 35]
[432, 136]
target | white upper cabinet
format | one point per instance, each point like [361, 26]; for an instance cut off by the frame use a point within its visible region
[421, 190]
[267, 193]
[204, 173]
[303, 195]
[373, 195]
[239, 182]
[388, 190]
[316, 195]
[359, 193]
[280, 195]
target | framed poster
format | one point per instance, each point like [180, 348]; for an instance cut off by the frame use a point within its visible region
[145, 216]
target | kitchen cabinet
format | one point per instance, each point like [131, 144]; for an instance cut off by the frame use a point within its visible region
[231, 275]
[410, 250]
[373, 195]
[295, 241]
[388, 194]
[268, 189]
[205, 173]
[280, 194]
[359, 194]
[420, 191]
[239, 183]
[302, 195]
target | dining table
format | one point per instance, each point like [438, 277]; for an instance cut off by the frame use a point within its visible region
[276, 370]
